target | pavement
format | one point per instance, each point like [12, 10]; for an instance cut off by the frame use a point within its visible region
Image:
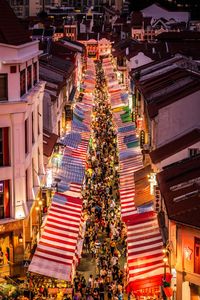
[87, 265]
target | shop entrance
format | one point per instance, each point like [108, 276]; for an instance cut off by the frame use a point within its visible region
[6, 253]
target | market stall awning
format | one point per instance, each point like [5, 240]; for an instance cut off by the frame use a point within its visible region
[49, 141]
[145, 257]
[55, 253]
[143, 195]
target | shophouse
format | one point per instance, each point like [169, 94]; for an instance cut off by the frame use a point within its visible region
[179, 186]
[167, 120]
[21, 140]
[76, 53]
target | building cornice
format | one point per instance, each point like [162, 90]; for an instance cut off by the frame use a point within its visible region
[19, 46]
[22, 59]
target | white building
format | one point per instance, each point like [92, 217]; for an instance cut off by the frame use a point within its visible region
[156, 11]
[21, 135]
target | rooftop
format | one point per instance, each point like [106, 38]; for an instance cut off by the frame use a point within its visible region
[11, 30]
[55, 63]
[165, 82]
[156, 11]
[180, 188]
[175, 146]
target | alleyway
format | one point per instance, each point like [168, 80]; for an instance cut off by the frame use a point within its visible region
[103, 257]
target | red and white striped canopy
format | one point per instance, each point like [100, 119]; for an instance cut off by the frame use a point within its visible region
[144, 240]
[145, 256]
[127, 187]
[55, 253]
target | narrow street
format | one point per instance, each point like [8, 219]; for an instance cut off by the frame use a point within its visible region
[103, 258]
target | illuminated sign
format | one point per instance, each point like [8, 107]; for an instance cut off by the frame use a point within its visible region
[153, 182]
[188, 253]
[139, 123]
[142, 138]
[1, 186]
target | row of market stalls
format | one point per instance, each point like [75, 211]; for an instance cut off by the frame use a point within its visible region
[145, 267]
[60, 245]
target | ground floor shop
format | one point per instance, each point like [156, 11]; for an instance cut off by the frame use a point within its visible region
[11, 247]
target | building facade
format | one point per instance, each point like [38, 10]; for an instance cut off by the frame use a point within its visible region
[21, 140]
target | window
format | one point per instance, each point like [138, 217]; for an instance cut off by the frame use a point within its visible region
[1, 200]
[197, 256]
[39, 167]
[26, 183]
[33, 170]
[193, 151]
[3, 87]
[4, 199]
[33, 136]
[26, 135]
[1, 147]
[38, 117]
[22, 82]
[58, 128]
[13, 69]
[35, 73]
[29, 77]
[4, 147]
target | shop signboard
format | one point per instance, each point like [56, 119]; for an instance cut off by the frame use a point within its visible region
[139, 123]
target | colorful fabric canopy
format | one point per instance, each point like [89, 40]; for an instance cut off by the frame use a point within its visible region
[60, 246]
[144, 241]
[145, 256]
[55, 253]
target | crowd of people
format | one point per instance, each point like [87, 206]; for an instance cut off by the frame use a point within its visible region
[105, 233]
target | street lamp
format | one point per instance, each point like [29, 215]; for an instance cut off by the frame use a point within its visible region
[166, 252]
[165, 260]
[20, 238]
[39, 211]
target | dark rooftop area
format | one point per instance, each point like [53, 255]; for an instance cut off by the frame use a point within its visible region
[12, 31]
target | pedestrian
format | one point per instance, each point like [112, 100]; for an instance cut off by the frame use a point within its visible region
[91, 282]
[101, 290]
[112, 247]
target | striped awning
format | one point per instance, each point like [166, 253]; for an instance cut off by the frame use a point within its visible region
[145, 256]
[144, 241]
[55, 253]
[127, 188]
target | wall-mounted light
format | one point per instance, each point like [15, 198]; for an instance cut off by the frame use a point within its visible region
[20, 238]
[165, 259]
